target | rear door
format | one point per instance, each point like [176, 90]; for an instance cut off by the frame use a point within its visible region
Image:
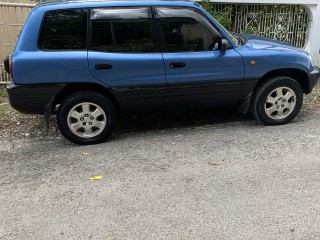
[124, 54]
[198, 72]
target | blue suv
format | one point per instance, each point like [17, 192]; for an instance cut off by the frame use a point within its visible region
[85, 60]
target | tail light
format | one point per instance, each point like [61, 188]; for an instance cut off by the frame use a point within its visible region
[8, 64]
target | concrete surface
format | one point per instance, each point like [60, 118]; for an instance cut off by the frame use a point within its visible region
[159, 185]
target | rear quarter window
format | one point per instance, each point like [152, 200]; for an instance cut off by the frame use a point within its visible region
[63, 30]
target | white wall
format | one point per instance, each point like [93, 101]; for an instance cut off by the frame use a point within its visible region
[313, 46]
[313, 39]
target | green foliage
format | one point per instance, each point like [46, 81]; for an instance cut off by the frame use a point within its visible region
[224, 17]
[3, 91]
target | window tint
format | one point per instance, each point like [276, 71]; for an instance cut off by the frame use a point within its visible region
[64, 30]
[122, 30]
[184, 29]
[102, 36]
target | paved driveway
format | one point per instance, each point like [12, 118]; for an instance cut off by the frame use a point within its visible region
[159, 185]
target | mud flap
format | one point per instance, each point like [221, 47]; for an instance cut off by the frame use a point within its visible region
[245, 105]
[47, 113]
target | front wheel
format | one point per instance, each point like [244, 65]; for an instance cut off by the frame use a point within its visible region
[277, 101]
[86, 118]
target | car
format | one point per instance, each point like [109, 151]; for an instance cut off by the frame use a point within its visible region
[85, 61]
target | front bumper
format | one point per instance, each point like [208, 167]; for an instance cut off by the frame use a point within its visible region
[313, 79]
[33, 98]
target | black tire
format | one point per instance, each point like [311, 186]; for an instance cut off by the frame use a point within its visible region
[86, 118]
[281, 111]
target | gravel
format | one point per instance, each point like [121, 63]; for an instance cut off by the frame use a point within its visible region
[262, 183]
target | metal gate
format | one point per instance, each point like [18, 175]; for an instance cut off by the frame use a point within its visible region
[288, 23]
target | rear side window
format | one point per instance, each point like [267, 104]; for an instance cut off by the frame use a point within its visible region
[63, 30]
[123, 30]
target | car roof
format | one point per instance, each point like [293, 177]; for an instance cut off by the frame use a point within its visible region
[99, 3]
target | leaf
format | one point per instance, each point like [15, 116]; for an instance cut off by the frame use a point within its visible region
[85, 154]
[95, 178]
[214, 163]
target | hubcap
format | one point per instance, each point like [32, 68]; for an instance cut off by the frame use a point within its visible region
[280, 103]
[86, 120]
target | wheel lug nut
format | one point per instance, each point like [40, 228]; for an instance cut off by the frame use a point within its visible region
[282, 105]
[91, 118]
[90, 123]
[86, 115]
[81, 119]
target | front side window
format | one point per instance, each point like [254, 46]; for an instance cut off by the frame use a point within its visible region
[62, 30]
[122, 30]
[186, 30]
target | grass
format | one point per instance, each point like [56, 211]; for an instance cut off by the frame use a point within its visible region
[3, 94]
[14, 123]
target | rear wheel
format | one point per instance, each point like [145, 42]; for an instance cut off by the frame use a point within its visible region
[278, 101]
[86, 118]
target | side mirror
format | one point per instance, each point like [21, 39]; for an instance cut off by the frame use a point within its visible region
[224, 44]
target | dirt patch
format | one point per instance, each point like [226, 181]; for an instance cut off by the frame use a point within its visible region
[312, 100]
[15, 124]
[3, 94]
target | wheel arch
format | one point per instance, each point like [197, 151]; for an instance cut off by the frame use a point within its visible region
[297, 74]
[72, 88]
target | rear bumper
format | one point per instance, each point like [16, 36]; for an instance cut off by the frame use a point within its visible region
[33, 98]
[313, 79]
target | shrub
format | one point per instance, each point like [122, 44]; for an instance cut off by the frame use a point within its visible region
[224, 17]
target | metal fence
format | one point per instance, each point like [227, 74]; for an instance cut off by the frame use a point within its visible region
[288, 23]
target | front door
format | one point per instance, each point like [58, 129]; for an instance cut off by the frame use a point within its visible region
[198, 72]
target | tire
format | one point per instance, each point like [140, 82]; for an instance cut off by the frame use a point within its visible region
[277, 101]
[86, 118]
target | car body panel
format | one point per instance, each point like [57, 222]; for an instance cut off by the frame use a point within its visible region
[138, 79]
[144, 81]
[48, 67]
[206, 79]
[262, 55]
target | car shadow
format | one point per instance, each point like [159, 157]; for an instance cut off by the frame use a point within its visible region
[145, 122]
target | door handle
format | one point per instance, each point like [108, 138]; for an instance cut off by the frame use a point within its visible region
[177, 64]
[103, 66]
